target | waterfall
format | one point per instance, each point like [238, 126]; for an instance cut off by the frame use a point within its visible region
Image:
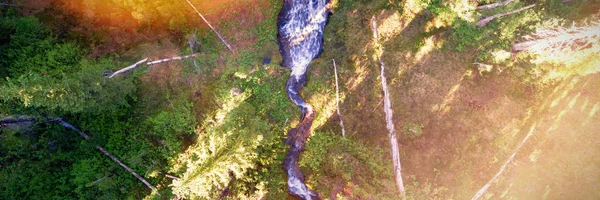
[301, 24]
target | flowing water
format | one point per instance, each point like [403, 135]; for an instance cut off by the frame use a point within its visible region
[301, 24]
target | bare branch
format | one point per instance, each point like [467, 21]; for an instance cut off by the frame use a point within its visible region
[486, 20]
[211, 27]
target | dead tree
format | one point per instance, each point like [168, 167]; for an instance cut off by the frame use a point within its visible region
[485, 20]
[211, 27]
[29, 121]
[150, 63]
[387, 109]
[129, 68]
[86, 137]
[170, 59]
[482, 191]
[337, 97]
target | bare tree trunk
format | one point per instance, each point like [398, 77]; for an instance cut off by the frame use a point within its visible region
[493, 5]
[337, 97]
[128, 169]
[67, 125]
[482, 191]
[30, 120]
[211, 27]
[387, 108]
[128, 68]
[170, 59]
[150, 63]
[486, 20]
[86, 136]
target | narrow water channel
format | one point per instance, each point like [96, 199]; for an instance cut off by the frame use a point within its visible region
[301, 24]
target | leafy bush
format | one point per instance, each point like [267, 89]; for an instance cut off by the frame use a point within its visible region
[168, 127]
[31, 49]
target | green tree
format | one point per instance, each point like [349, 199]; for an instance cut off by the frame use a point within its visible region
[227, 148]
[83, 91]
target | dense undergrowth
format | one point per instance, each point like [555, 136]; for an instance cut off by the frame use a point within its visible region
[234, 147]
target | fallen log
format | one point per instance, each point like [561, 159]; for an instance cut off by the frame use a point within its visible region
[86, 137]
[211, 27]
[484, 189]
[150, 63]
[337, 97]
[128, 68]
[486, 20]
[170, 59]
[387, 109]
[128, 169]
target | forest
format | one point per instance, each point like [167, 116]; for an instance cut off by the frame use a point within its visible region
[300, 99]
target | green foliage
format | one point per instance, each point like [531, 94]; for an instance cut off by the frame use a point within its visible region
[496, 35]
[48, 75]
[226, 148]
[31, 49]
[466, 35]
[83, 91]
[52, 78]
[330, 158]
[437, 7]
[169, 127]
[268, 96]
[573, 10]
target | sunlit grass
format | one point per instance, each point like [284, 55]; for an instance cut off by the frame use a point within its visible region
[430, 44]
[444, 106]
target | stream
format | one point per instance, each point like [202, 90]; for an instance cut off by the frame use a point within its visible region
[301, 24]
